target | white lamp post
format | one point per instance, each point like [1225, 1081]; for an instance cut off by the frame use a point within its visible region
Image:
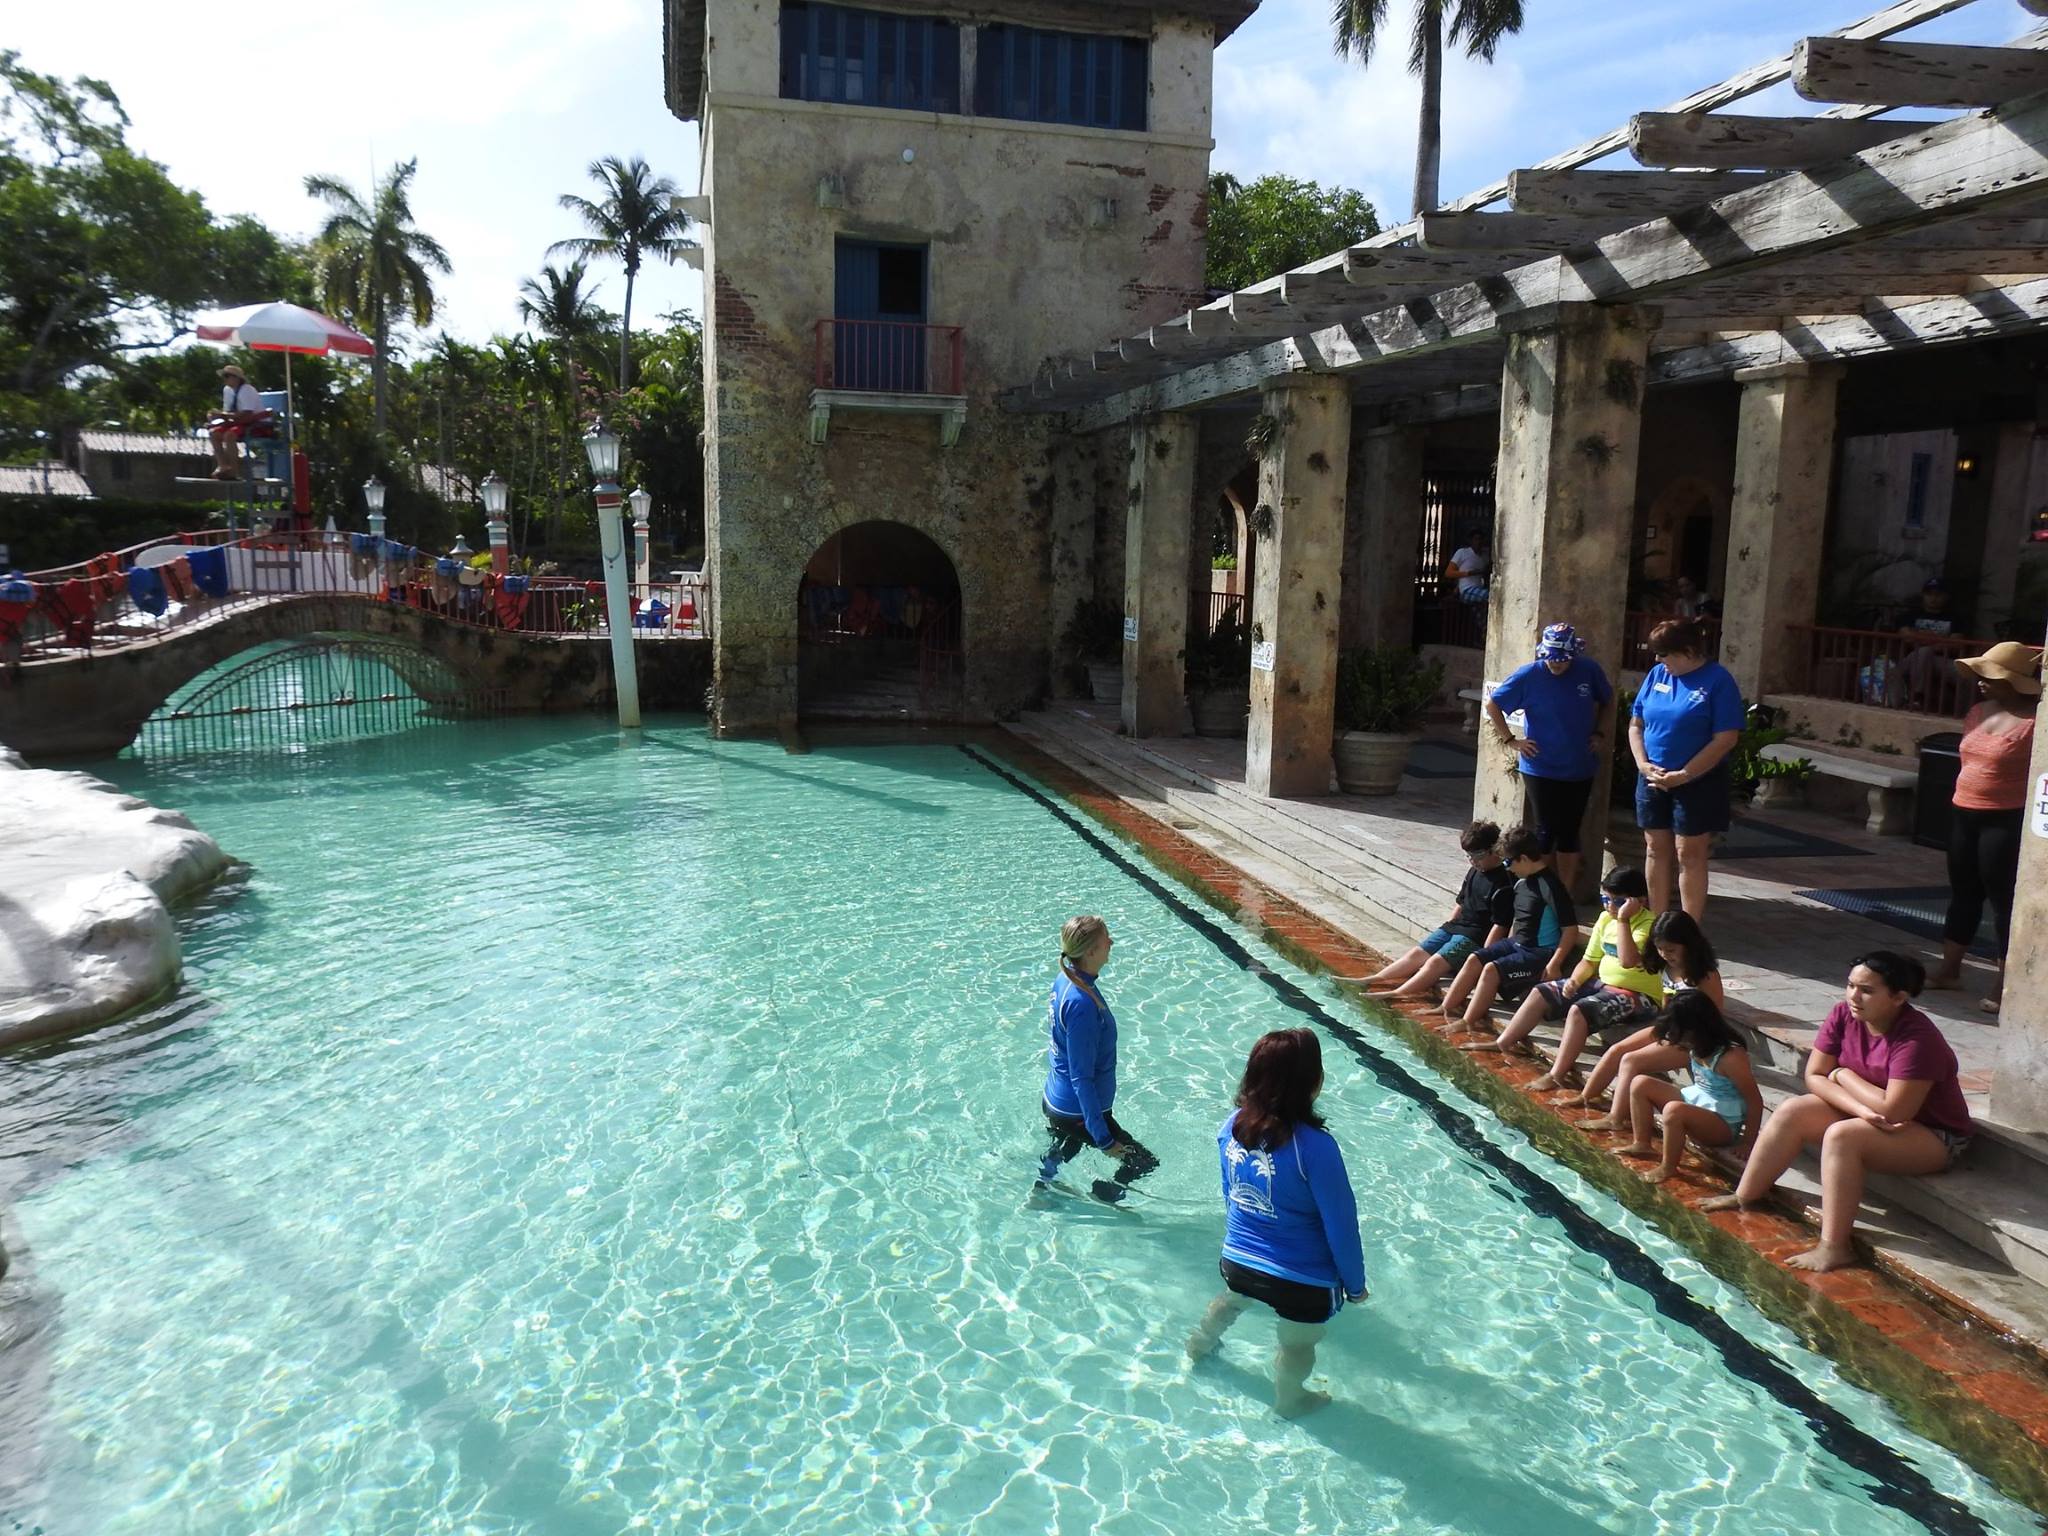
[493, 490]
[603, 451]
[643, 574]
[461, 550]
[373, 499]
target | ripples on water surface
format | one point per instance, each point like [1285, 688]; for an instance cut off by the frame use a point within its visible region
[558, 1136]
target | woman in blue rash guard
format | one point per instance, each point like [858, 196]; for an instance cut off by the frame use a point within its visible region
[1290, 1234]
[1080, 1087]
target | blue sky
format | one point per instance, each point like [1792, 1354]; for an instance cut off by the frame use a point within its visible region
[506, 101]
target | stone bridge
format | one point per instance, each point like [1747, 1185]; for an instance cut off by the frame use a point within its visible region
[93, 705]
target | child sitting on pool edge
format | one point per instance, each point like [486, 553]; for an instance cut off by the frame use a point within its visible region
[1486, 905]
[1546, 927]
[1719, 1107]
[1610, 990]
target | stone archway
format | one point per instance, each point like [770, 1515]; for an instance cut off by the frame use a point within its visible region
[880, 628]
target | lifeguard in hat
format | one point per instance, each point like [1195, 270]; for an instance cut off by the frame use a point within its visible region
[1989, 805]
[240, 408]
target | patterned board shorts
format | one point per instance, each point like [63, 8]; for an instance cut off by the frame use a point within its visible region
[1605, 1009]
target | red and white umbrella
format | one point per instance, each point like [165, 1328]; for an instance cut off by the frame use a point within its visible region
[286, 328]
[282, 328]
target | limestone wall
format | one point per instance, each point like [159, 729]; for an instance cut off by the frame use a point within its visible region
[1043, 239]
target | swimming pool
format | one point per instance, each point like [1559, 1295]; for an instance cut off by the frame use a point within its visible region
[560, 1135]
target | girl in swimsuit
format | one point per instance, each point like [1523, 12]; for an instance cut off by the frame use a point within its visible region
[1721, 1107]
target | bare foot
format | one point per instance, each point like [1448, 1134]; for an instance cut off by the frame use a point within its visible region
[1583, 1099]
[1549, 1082]
[1482, 1045]
[1822, 1259]
[1305, 1402]
[1945, 981]
[1727, 1203]
[1990, 1006]
[1655, 1176]
[1636, 1149]
[1604, 1123]
[1201, 1345]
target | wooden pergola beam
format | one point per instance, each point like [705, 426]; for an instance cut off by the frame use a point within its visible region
[1964, 166]
[1883, 328]
[1514, 231]
[1727, 141]
[1873, 73]
[1634, 194]
[1898, 17]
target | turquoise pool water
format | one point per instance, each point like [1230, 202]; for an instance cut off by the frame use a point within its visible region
[559, 1135]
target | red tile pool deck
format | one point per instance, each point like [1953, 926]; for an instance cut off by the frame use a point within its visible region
[1949, 1373]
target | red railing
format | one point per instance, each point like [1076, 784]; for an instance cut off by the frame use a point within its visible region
[87, 607]
[1450, 621]
[1635, 639]
[896, 357]
[1888, 669]
[941, 660]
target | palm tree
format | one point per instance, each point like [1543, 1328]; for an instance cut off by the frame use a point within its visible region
[634, 220]
[558, 306]
[1478, 24]
[371, 262]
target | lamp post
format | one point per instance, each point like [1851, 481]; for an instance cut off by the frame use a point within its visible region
[643, 573]
[373, 499]
[493, 490]
[602, 447]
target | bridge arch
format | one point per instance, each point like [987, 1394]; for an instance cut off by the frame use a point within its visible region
[93, 706]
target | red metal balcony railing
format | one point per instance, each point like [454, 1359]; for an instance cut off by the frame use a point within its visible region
[1888, 668]
[896, 357]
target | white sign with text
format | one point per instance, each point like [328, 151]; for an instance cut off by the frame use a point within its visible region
[1130, 628]
[1262, 656]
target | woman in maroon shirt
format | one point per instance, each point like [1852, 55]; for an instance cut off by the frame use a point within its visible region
[1881, 1096]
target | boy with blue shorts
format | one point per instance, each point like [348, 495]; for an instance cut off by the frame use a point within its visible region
[1544, 930]
[1486, 904]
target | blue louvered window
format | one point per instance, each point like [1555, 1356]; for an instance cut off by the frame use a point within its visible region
[1062, 77]
[869, 58]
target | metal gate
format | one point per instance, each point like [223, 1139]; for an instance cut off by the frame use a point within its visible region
[325, 688]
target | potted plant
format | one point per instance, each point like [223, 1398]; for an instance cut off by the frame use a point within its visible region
[1096, 634]
[1381, 696]
[1219, 678]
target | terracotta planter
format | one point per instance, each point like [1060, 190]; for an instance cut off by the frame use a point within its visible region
[1372, 762]
[1106, 681]
[1221, 711]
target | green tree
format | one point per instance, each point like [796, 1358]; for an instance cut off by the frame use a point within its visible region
[1478, 24]
[1277, 223]
[634, 220]
[374, 263]
[558, 306]
[662, 426]
[105, 257]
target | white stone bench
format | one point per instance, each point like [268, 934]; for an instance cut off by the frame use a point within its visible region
[1891, 789]
[1473, 698]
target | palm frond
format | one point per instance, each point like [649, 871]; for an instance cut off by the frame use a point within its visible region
[1355, 27]
[1481, 25]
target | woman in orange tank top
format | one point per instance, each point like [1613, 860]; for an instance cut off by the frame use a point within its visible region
[1990, 804]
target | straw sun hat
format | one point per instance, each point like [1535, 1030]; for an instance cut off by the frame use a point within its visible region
[2008, 662]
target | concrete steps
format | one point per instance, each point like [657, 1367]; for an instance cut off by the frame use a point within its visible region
[1366, 879]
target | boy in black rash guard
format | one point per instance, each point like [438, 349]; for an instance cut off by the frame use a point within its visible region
[1545, 931]
[1486, 903]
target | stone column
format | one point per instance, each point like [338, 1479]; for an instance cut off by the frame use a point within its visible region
[1070, 487]
[1157, 524]
[1571, 419]
[1784, 461]
[1298, 525]
[2005, 527]
[2019, 1083]
[1382, 529]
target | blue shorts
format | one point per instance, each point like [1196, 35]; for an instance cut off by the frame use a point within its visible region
[1447, 945]
[1605, 1009]
[1691, 810]
[1520, 966]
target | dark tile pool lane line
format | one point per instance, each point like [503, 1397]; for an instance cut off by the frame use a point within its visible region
[1894, 1481]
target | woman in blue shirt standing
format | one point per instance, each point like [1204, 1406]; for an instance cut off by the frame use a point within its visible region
[1080, 1084]
[1290, 1232]
[1687, 719]
[1563, 695]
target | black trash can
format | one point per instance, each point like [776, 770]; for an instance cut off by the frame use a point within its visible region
[1941, 762]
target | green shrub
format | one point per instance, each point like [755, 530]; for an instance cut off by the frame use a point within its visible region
[1748, 767]
[1220, 659]
[1095, 632]
[45, 531]
[1386, 690]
